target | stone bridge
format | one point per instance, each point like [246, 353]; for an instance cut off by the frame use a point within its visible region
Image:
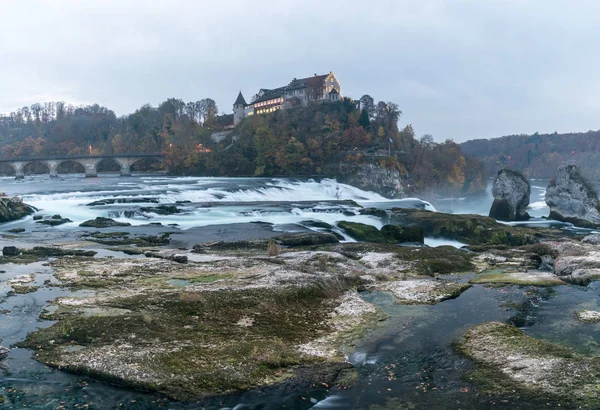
[89, 163]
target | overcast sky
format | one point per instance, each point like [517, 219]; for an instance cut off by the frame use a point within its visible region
[457, 69]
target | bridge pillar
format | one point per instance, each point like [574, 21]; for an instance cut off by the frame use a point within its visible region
[125, 166]
[125, 171]
[90, 167]
[53, 167]
[18, 166]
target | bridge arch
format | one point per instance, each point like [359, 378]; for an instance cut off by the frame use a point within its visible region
[149, 163]
[108, 165]
[36, 167]
[77, 167]
[7, 169]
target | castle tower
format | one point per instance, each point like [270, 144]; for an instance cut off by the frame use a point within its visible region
[238, 108]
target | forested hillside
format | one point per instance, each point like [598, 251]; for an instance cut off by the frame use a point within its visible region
[311, 140]
[315, 140]
[538, 155]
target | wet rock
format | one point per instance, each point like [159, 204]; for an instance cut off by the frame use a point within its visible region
[179, 258]
[507, 360]
[532, 278]
[380, 213]
[316, 224]
[546, 263]
[401, 234]
[174, 258]
[578, 269]
[10, 251]
[112, 201]
[306, 238]
[37, 217]
[593, 239]
[469, 229]
[141, 240]
[572, 199]
[47, 251]
[362, 232]
[12, 209]
[16, 230]
[511, 193]
[588, 316]
[162, 209]
[54, 220]
[101, 222]
[23, 289]
[4, 352]
[423, 291]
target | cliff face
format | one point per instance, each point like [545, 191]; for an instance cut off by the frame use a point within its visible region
[511, 192]
[372, 177]
[572, 199]
[12, 209]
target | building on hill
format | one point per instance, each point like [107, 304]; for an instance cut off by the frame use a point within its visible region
[318, 88]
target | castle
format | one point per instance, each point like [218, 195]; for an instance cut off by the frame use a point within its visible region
[320, 88]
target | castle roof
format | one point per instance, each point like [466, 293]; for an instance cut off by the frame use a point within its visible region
[240, 100]
[270, 94]
[296, 83]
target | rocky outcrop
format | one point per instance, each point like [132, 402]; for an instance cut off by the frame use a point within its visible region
[12, 209]
[470, 229]
[54, 220]
[511, 192]
[387, 234]
[578, 267]
[588, 316]
[572, 199]
[519, 363]
[372, 177]
[101, 222]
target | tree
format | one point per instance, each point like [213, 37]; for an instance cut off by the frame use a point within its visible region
[427, 141]
[368, 103]
[363, 120]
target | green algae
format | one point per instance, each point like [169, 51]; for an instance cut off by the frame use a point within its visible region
[519, 278]
[198, 337]
[23, 289]
[509, 363]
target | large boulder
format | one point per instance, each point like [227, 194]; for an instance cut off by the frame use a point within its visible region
[572, 199]
[511, 192]
[12, 209]
[373, 177]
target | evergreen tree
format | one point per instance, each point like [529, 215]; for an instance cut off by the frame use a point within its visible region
[363, 120]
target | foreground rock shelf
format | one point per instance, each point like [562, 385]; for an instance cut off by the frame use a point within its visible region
[508, 361]
[227, 321]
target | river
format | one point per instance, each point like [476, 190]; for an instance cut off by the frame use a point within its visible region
[406, 362]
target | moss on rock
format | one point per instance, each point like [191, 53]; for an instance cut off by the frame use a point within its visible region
[191, 343]
[533, 278]
[519, 363]
[470, 229]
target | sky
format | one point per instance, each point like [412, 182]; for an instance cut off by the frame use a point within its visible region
[457, 69]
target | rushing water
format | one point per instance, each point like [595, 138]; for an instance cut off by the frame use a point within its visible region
[406, 362]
